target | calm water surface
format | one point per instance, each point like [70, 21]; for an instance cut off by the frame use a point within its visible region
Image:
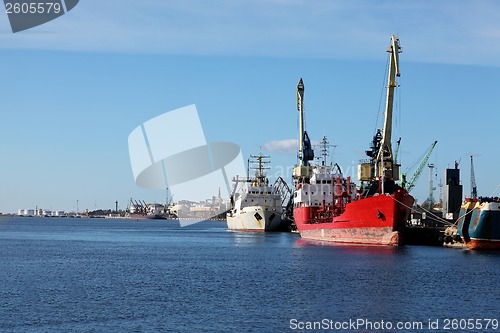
[106, 275]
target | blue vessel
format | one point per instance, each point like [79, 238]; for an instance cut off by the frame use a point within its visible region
[479, 223]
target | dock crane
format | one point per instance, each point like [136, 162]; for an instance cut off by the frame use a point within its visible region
[413, 181]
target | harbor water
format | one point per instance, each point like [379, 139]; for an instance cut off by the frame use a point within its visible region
[118, 275]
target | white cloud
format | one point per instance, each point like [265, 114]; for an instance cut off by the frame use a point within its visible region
[287, 146]
[434, 31]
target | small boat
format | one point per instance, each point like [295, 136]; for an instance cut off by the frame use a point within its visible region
[256, 205]
[479, 223]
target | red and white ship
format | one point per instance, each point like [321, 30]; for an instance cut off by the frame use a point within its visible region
[329, 207]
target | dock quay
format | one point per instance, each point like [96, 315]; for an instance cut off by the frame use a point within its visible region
[421, 235]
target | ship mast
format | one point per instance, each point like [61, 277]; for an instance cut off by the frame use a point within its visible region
[385, 164]
[258, 162]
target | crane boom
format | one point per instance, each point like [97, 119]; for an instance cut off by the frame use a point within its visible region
[413, 181]
[306, 152]
[300, 108]
[385, 158]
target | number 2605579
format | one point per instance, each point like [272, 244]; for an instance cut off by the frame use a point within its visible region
[33, 8]
[470, 324]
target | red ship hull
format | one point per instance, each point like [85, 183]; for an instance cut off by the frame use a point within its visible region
[376, 220]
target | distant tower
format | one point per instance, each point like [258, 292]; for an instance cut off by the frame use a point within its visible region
[473, 187]
[430, 199]
[452, 193]
[440, 185]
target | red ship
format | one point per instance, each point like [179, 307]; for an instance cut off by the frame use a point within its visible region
[329, 207]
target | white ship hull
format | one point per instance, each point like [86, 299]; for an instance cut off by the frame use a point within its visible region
[254, 218]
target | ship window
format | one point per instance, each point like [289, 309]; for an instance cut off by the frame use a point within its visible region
[306, 193]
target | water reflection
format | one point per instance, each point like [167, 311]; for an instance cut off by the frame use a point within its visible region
[350, 248]
[247, 238]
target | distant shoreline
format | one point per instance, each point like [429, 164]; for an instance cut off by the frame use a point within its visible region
[107, 217]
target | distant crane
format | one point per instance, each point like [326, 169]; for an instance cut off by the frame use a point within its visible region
[473, 187]
[413, 181]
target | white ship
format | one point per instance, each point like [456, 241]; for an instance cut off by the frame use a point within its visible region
[256, 205]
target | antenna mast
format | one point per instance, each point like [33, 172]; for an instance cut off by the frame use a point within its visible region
[324, 148]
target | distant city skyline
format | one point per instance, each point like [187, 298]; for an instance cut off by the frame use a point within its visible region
[74, 88]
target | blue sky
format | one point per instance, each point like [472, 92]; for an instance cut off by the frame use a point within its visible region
[74, 88]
